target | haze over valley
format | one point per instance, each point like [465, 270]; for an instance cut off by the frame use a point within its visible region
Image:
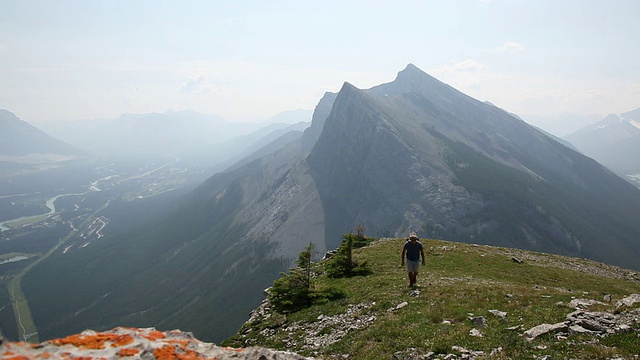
[117, 211]
[410, 154]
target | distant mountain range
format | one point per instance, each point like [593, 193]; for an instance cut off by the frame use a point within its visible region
[24, 143]
[411, 155]
[563, 124]
[614, 142]
[208, 139]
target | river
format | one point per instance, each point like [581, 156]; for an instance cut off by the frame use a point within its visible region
[50, 203]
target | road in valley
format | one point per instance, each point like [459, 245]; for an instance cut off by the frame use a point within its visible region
[93, 225]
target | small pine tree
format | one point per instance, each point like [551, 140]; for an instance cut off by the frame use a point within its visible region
[294, 291]
[342, 263]
[291, 291]
[304, 265]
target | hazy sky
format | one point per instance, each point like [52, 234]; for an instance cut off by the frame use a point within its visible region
[248, 60]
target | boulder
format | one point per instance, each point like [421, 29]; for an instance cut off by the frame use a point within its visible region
[629, 300]
[583, 303]
[479, 321]
[542, 329]
[135, 343]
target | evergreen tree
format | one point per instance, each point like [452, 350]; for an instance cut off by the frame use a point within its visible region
[295, 290]
[342, 264]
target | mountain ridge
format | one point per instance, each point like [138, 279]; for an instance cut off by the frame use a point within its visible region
[22, 142]
[471, 301]
[613, 141]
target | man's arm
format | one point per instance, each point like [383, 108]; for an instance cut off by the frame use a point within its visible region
[404, 250]
[422, 253]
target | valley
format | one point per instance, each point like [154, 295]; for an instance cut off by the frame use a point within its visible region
[72, 211]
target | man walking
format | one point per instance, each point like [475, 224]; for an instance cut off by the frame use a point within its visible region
[413, 250]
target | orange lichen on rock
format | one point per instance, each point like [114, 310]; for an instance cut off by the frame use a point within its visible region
[17, 357]
[234, 349]
[128, 352]
[170, 352]
[165, 353]
[94, 341]
[154, 335]
[131, 343]
[181, 343]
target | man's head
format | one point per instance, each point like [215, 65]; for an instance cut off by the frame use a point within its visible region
[413, 237]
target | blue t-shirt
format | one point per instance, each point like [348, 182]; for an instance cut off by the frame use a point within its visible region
[413, 250]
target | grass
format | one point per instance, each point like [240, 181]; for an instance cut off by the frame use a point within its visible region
[460, 281]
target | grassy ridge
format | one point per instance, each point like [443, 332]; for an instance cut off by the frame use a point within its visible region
[459, 281]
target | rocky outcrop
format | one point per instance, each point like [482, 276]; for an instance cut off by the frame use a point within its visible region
[134, 343]
[582, 321]
[326, 330]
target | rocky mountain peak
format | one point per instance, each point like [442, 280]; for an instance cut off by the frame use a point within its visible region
[413, 73]
[320, 114]
[6, 115]
[413, 80]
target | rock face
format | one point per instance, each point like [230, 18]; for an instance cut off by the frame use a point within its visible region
[134, 343]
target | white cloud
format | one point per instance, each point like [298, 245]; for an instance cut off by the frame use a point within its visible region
[197, 85]
[466, 66]
[128, 100]
[510, 47]
[467, 76]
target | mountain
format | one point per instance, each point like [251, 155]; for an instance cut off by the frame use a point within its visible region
[291, 117]
[223, 154]
[411, 155]
[563, 124]
[208, 140]
[614, 142]
[171, 132]
[416, 154]
[22, 142]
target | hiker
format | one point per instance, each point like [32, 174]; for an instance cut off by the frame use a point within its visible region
[413, 250]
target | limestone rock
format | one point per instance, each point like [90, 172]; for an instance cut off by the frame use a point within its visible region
[133, 343]
[584, 303]
[629, 300]
[542, 329]
[498, 313]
